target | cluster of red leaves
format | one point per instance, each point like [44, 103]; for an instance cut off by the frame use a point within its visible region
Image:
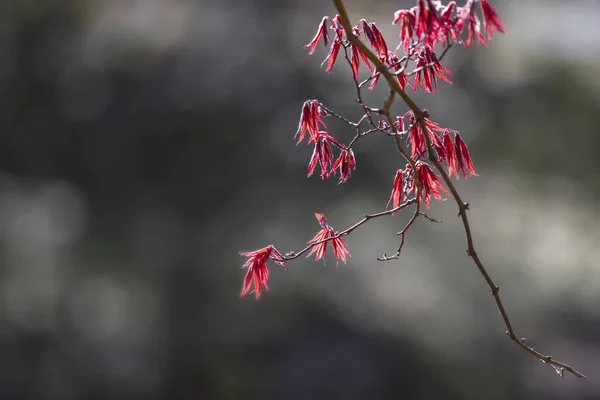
[448, 144]
[404, 184]
[311, 122]
[430, 22]
[422, 27]
[451, 151]
[320, 240]
[257, 275]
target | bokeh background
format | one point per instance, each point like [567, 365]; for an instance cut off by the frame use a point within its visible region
[143, 143]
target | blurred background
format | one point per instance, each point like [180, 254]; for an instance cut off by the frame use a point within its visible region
[144, 143]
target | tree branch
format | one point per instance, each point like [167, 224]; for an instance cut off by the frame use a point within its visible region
[420, 115]
[293, 255]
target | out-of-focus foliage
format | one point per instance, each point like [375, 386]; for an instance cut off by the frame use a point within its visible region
[144, 143]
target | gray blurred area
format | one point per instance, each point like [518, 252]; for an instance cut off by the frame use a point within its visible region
[144, 143]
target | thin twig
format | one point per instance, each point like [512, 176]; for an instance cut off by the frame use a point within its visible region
[439, 221]
[340, 117]
[292, 255]
[402, 234]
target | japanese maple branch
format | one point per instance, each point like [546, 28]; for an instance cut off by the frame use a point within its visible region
[292, 255]
[420, 116]
[558, 366]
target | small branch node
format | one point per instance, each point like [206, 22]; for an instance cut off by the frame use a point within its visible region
[439, 221]
[385, 257]
[382, 69]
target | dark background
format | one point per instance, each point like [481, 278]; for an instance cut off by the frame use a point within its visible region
[144, 143]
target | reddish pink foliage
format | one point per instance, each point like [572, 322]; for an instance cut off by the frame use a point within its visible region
[346, 163]
[448, 24]
[356, 56]
[428, 21]
[396, 65]
[310, 121]
[340, 252]
[380, 45]
[416, 137]
[375, 37]
[332, 56]
[337, 43]
[462, 156]
[397, 191]
[428, 69]
[322, 154]
[450, 153]
[421, 28]
[355, 63]
[490, 18]
[321, 34]
[467, 14]
[430, 183]
[258, 273]
[407, 19]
